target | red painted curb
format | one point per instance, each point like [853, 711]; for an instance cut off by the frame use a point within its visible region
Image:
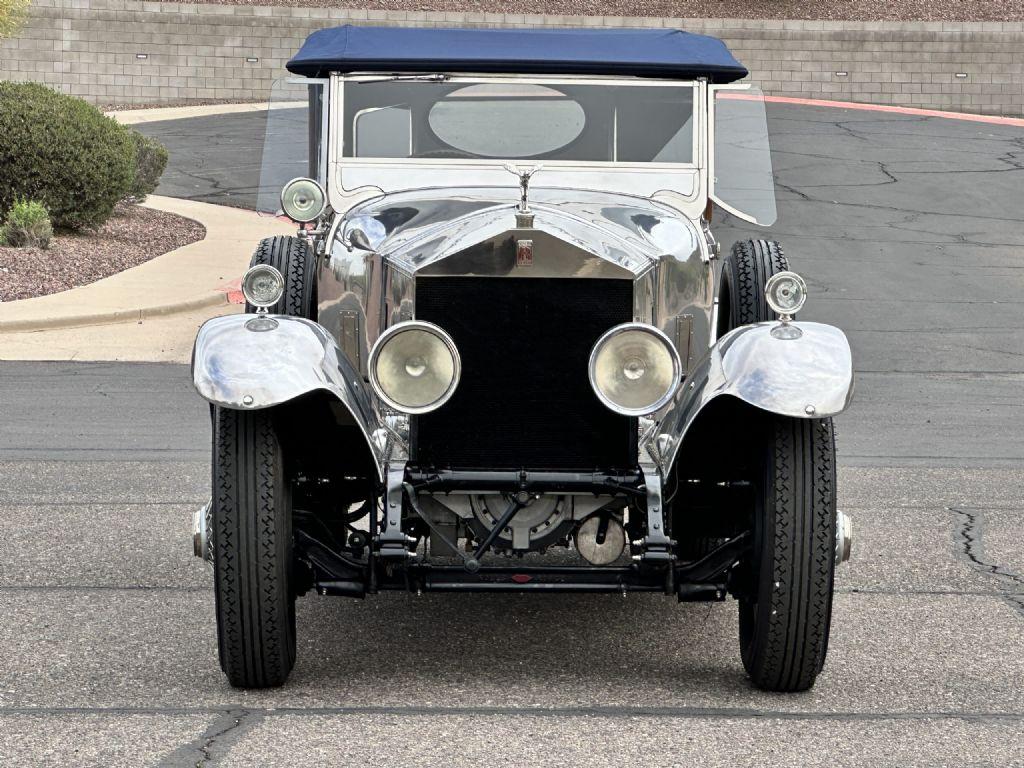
[234, 291]
[993, 119]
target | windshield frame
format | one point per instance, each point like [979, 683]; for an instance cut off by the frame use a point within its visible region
[343, 81]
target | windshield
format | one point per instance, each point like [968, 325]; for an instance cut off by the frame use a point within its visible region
[552, 120]
[292, 145]
[742, 178]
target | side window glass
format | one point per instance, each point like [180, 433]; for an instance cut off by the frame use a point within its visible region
[383, 132]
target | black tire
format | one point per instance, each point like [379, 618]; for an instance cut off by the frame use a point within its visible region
[294, 260]
[744, 273]
[785, 618]
[252, 544]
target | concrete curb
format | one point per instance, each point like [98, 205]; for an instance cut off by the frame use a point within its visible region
[159, 114]
[112, 316]
[194, 277]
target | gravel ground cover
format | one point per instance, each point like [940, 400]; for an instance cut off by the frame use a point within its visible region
[854, 10]
[131, 236]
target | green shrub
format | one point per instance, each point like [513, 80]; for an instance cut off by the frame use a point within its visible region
[64, 153]
[27, 225]
[12, 16]
[150, 161]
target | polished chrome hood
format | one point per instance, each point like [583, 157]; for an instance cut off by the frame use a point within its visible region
[598, 234]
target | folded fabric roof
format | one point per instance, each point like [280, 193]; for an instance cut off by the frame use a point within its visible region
[637, 52]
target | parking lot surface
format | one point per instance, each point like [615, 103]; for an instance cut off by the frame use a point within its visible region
[910, 233]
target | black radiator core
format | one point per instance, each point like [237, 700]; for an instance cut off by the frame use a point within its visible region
[524, 400]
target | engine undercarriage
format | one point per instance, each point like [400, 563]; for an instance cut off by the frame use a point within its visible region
[473, 531]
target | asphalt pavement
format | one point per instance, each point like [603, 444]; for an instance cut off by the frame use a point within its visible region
[909, 231]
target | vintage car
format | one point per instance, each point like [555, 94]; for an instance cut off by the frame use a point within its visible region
[504, 352]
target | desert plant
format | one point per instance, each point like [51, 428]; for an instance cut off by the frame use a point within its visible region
[12, 16]
[63, 152]
[27, 225]
[150, 161]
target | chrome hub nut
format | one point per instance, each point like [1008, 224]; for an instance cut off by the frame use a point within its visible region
[844, 537]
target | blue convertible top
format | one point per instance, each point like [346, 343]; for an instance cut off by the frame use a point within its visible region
[640, 52]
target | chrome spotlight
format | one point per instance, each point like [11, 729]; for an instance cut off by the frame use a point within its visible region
[785, 293]
[262, 286]
[303, 200]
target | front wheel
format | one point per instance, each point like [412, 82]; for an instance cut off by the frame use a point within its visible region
[786, 615]
[252, 546]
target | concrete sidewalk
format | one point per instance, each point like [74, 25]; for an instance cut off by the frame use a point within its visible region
[189, 278]
[150, 312]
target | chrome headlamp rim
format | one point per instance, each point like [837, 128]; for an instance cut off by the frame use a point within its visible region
[771, 282]
[256, 268]
[677, 368]
[323, 200]
[393, 331]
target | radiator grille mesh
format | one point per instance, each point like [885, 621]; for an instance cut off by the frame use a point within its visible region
[524, 401]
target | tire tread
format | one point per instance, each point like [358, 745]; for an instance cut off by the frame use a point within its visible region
[789, 633]
[252, 552]
[749, 265]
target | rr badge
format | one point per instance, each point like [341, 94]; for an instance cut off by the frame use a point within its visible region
[524, 253]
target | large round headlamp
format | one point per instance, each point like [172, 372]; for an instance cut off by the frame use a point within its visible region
[785, 293]
[414, 367]
[262, 285]
[634, 369]
[303, 200]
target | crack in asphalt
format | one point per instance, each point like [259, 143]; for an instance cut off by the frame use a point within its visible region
[881, 166]
[216, 741]
[969, 537]
[911, 212]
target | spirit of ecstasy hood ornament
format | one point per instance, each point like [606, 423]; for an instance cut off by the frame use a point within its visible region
[524, 216]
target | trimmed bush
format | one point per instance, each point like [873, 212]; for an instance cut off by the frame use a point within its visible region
[12, 16]
[64, 153]
[150, 161]
[27, 226]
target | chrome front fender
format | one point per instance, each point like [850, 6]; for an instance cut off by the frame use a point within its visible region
[248, 362]
[809, 375]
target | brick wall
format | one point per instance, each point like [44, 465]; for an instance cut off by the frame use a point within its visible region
[197, 52]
